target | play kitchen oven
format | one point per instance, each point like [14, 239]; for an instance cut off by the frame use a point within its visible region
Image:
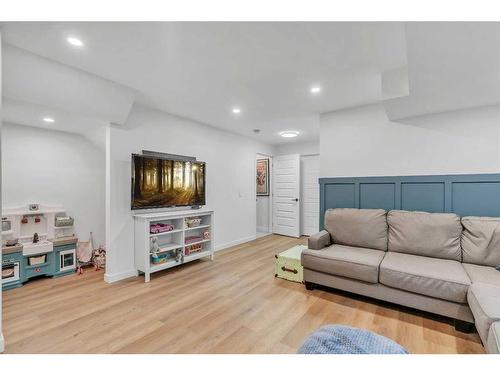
[10, 269]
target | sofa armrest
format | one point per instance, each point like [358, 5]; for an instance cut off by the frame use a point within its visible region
[493, 345]
[319, 240]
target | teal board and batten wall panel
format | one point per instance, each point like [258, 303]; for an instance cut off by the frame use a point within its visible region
[471, 194]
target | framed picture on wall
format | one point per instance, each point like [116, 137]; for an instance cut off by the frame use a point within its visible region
[262, 177]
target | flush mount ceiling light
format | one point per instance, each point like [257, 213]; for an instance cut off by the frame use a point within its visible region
[74, 41]
[315, 90]
[236, 111]
[289, 133]
[48, 119]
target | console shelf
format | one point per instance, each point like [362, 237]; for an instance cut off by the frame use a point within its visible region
[177, 239]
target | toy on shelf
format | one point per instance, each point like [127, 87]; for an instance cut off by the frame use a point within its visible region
[192, 222]
[179, 255]
[155, 249]
[191, 239]
[206, 235]
[159, 258]
[160, 228]
[193, 249]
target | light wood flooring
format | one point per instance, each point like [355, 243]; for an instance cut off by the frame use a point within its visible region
[231, 305]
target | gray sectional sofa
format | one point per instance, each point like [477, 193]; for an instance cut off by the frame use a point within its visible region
[433, 262]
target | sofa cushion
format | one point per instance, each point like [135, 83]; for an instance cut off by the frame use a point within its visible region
[357, 227]
[482, 274]
[493, 344]
[427, 234]
[481, 240]
[484, 302]
[353, 262]
[439, 278]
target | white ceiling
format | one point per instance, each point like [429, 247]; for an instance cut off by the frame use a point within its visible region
[202, 70]
[451, 66]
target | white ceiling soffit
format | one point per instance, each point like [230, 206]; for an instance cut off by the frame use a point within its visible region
[29, 114]
[201, 70]
[451, 66]
[33, 79]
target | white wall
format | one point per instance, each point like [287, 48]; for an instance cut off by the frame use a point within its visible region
[1, 160]
[53, 167]
[363, 142]
[230, 177]
[302, 148]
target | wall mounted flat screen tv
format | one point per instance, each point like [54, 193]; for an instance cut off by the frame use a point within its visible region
[158, 182]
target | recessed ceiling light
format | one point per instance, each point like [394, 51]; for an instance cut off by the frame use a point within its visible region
[48, 119]
[289, 133]
[74, 41]
[315, 90]
[236, 111]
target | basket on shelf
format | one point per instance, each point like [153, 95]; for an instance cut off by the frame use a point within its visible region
[64, 221]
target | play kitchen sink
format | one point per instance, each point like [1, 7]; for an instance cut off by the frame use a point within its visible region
[41, 247]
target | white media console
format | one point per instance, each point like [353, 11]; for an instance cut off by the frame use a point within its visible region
[180, 244]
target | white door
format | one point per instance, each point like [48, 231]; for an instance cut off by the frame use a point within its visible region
[309, 200]
[286, 194]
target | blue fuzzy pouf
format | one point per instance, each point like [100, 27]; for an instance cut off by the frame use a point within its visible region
[338, 339]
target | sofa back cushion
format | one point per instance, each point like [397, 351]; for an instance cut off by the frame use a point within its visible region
[357, 227]
[481, 240]
[428, 234]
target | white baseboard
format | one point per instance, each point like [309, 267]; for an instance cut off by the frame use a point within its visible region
[112, 278]
[263, 229]
[234, 243]
[2, 343]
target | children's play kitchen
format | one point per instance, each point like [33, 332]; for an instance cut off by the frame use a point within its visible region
[37, 240]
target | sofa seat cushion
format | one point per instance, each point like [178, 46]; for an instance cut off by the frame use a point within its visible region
[484, 302]
[357, 227]
[347, 261]
[439, 278]
[481, 240]
[482, 274]
[427, 234]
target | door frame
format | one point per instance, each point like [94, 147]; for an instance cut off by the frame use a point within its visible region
[260, 155]
[301, 192]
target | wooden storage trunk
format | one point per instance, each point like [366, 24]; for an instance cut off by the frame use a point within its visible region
[288, 265]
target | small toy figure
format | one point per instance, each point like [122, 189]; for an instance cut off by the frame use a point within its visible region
[154, 247]
[179, 255]
[36, 238]
[99, 258]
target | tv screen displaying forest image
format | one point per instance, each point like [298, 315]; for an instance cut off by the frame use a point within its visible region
[160, 182]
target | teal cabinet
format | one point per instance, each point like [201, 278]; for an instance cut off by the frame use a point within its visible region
[65, 259]
[41, 269]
